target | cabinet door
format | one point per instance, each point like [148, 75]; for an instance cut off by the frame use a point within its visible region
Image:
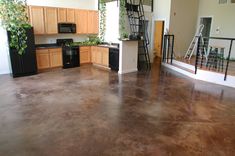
[62, 15]
[96, 22]
[98, 56]
[43, 59]
[51, 20]
[93, 52]
[105, 57]
[71, 15]
[93, 22]
[55, 57]
[37, 19]
[81, 21]
[85, 55]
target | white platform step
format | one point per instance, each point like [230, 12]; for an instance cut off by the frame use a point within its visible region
[208, 76]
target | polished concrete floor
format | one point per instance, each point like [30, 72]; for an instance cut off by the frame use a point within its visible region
[87, 111]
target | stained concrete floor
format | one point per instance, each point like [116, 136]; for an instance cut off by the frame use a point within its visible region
[91, 112]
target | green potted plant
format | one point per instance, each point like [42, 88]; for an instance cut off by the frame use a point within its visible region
[22, 53]
[14, 19]
[122, 22]
[102, 8]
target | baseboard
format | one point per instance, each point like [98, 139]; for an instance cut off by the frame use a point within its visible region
[127, 71]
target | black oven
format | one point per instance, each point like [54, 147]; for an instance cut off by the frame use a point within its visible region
[66, 28]
[71, 56]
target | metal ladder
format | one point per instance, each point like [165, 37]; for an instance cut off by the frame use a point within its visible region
[194, 43]
[139, 30]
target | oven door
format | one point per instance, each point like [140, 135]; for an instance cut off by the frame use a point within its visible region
[71, 57]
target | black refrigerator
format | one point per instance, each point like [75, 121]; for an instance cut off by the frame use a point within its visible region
[25, 64]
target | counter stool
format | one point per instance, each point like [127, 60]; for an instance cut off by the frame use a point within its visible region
[216, 58]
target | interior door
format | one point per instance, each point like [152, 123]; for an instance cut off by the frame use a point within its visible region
[158, 36]
[206, 21]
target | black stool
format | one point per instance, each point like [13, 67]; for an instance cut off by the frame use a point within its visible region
[216, 58]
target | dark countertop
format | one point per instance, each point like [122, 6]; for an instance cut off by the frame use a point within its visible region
[131, 39]
[54, 45]
[109, 46]
[42, 46]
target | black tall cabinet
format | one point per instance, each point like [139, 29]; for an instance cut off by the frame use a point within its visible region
[25, 64]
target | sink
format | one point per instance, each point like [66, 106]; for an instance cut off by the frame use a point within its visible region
[108, 46]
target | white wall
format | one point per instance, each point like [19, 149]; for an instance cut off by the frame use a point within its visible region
[161, 11]
[112, 22]
[80, 4]
[222, 19]
[183, 21]
[4, 52]
[52, 38]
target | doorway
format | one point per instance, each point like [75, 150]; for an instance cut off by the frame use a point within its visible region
[206, 21]
[158, 37]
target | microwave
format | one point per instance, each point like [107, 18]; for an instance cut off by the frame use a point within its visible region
[66, 28]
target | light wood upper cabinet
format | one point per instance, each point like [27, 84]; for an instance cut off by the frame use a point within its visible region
[71, 15]
[81, 17]
[85, 54]
[66, 15]
[93, 22]
[43, 59]
[55, 57]
[62, 15]
[45, 19]
[37, 19]
[51, 23]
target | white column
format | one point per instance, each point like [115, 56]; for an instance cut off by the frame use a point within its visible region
[128, 57]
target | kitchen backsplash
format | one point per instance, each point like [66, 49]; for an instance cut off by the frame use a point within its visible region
[52, 38]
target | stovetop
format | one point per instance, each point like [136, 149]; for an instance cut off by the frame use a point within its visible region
[64, 42]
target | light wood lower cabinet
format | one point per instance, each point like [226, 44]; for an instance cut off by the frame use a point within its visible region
[43, 59]
[49, 58]
[85, 54]
[100, 55]
[55, 57]
[93, 51]
[105, 57]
